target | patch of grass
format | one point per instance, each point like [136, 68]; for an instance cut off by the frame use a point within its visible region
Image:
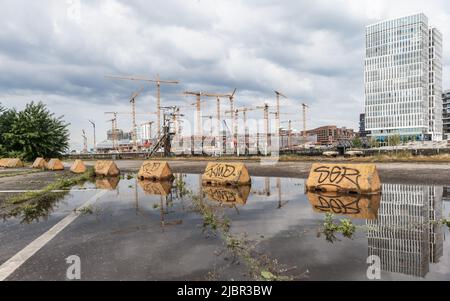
[129, 176]
[330, 228]
[59, 184]
[87, 210]
[19, 173]
[446, 222]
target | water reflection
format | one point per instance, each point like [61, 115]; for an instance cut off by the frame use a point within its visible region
[163, 188]
[407, 235]
[107, 183]
[352, 206]
[230, 196]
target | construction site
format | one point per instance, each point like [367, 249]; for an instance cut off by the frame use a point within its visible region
[233, 130]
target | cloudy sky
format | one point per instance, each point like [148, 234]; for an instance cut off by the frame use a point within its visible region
[313, 51]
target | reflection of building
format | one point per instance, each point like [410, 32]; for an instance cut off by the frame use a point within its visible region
[404, 235]
[331, 134]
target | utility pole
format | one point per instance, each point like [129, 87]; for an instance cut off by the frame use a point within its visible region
[158, 82]
[95, 138]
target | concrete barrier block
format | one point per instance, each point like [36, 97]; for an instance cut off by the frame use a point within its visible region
[14, 163]
[155, 170]
[55, 165]
[349, 178]
[348, 205]
[233, 174]
[39, 163]
[106, 168]
[78, 167]
[4, 162]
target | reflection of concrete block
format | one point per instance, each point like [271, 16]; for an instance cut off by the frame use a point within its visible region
[228, 195]
[78, 167]
[109, 183]
[39, 163]
[55, 164]
[350, 205]
[106, 168]
[162, 188]
[155, 170]
[226, 174]
[358, 178]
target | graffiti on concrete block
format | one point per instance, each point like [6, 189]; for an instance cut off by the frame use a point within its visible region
[223, 171]
[336, 174]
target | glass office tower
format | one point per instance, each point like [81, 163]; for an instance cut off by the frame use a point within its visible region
[403, 79]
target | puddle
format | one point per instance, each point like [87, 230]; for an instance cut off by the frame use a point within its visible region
[142, 230]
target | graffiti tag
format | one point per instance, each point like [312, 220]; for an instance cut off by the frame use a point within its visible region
[221, 171]
[336, 174]
[337, 206]
[151, 167]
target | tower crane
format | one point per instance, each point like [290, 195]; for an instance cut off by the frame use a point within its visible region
[278, 94]
[158, 81]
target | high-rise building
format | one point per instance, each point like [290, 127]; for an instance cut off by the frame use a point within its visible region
[446, 114]
[403, 79]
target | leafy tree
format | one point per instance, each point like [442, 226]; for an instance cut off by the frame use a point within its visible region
[34, 132]
[7, 118]
[357, 142]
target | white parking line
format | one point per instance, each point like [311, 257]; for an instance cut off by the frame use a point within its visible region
[21, 257]
[67, 190]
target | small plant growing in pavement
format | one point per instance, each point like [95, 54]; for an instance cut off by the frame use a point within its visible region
[330, 228]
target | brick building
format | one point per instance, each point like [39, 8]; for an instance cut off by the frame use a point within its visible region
[331, 134]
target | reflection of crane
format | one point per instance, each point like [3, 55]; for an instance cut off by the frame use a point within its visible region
[95, 138]
[133, 111]
[304, 106]
[158, 82]
[85, 146]
[278, 110]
